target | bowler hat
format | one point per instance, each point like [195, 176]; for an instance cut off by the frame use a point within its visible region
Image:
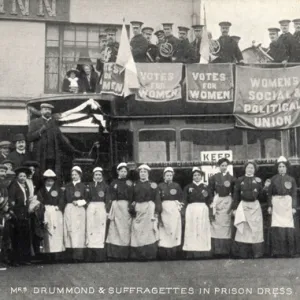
[19, 137]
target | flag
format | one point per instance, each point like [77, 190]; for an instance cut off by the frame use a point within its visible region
[125, 61]
[204, 47]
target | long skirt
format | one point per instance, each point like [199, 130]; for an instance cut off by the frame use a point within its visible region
[197, 234]
[53, 240]
[282, 231]
[118, 239]
[221, 226]
[144, 232]
[95, 231]
[170, 230]
[74, 231]
[249, 238]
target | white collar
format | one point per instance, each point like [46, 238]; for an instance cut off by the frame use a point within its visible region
[46, 118]
[97, 181]
[20, 152]
[198, 182]
[75, 182]
[249, 175]
[48, 188]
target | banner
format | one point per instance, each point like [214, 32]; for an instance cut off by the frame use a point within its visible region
[267, 98]
[209, 83]
[112, 81]
[213, 157]
[159, 82]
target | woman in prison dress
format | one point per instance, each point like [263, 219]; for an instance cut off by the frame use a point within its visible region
[120, 195]
[51, 196]
[145, 208]
[96, 217]
[221, 185]
[197, 233]
[249, 238]
[282, 202]
[75, 200]
[169, 245]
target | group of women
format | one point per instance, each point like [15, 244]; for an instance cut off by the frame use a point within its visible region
[143, 220]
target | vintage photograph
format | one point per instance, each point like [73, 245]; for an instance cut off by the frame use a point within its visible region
[150, 149]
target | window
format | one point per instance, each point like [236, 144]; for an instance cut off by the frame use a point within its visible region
[65, 44]
[193, 141]
[123, 145]
[157, 145]
[264, 144]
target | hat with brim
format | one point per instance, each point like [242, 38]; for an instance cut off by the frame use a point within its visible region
[296, 21]
[73, 71]
[273, 29]
[147, 29]
[282, 160]
[222, 160]
[145, 167]
[183, 29]
[49, 174]
[7, 161]
[122, 165]
[77, 169]
[111, 30]
[3, 167]
[168, 169]
[159, 32]
[19, 137]
[46, 105]
[284, 22]
[22, 170]
[31, 163]
[5, 144]
[251, 162]
[3, 202]
[198, 170]
[225, 24]
[167, 25]
[98, 169]
[136, 23]
[197, 27]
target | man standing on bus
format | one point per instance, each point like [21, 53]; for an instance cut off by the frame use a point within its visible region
[277, 49]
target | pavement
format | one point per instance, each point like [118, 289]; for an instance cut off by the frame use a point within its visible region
[202, 279]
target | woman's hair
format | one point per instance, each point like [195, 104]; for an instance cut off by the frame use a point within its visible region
[251, 162]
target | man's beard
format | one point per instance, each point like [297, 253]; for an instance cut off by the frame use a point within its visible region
[47, 115]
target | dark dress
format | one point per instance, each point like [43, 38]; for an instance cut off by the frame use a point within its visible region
[144, 234]
[197, 199]
[171, 227]
[118, 240]
[139, 47]
[250, 191]
[97, 193]
[20, 225]
[282, 234]
[222, 187]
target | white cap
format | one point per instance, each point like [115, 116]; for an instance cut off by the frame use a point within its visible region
[121, 165]
[281, 159]
[196, 169]
[98, 169]
[144, 166]
[49, 173]
[76, 168]
[168, 169]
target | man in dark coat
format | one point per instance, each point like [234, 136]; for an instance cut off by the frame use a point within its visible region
[151, 52]
[196, 44]
[4, 150]
[229, 49]
[184, 52]
[112, 43]
[297, 40]
[48, 141]
[161, 41]
[20, 154]
[277, 49]
[139, 44]
[288, 40]
[170, 42]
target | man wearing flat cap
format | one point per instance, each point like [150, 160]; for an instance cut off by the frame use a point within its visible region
[297, 39]
[276, 49]
[196, 44]
[139, 44]
[184, 52]
[4, 150]
[288, 40]
[152, 49]
[47, 140]
[20, 154]
[229, 49]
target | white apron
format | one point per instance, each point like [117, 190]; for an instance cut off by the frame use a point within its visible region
[74, 226]
[120, 224]
[197, 236]
[221, 225]
[170, 229]
[249, 223]
[54, 231]
[282, 215]
[95, 225]
[144, 229]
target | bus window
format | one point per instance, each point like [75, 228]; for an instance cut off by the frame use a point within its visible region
[157, 145]
[264, 144]
[123, 145]
[193, 141]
